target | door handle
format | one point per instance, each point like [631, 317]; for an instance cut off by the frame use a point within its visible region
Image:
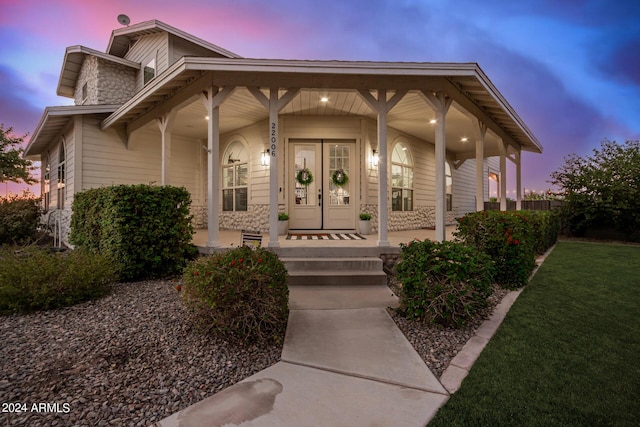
[319, 199]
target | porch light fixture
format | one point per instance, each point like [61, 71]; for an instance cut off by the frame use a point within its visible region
[374, 158]
[264, 158]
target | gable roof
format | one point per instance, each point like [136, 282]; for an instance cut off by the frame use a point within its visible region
[72, 63]
[122, 38]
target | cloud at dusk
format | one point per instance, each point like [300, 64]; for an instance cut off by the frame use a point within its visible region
[570, 69]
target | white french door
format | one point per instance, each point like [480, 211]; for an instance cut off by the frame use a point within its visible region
[321, 203]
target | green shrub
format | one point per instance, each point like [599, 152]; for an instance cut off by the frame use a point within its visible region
[545, 227]
[19, 218]
[443, 283]
[283, 216]
[145, 230]
[240, 295]
[507, 237]
[37, 279]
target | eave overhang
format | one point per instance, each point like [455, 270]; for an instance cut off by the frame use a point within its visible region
[53, 122]
[122, 38]
[466, 83]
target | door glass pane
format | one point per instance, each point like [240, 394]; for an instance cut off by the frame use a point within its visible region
[339, 159]
[305, 157]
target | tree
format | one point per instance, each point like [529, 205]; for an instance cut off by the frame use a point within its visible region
[603, 190]
[13, 167]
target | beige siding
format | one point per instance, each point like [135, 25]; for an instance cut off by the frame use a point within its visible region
[185, 165]
[179, 47]
[106, 161]
[255, 139]
[147, 48]
[464, 187]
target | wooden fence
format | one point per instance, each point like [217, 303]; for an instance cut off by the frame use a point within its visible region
[532, 205]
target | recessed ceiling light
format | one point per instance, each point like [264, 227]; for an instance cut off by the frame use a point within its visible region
[464, 139]
[206, 117]
[432, 121]
[324, 99]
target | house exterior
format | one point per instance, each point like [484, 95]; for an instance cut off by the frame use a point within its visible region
[414, 144]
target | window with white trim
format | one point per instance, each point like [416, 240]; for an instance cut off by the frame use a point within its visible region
[149, 71]
[449, 185]
[401, 178]
[62, 176]
[235, 177]
[46, 182]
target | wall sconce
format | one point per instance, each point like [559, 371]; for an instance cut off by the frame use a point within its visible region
[374, 158]
[264, 158]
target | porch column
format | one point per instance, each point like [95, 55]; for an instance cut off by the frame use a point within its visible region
[440, 103]
[518, 161]
[165, 123]
[480, 129]
[503, 175]
[212, 98]
[274, 104]
[382, 106]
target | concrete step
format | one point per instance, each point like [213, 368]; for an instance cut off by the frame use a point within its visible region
[343, 271]
[333, 263]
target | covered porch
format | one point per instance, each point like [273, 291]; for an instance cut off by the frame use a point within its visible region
[367, 246]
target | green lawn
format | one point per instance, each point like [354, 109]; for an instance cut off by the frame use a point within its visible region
[568, 352]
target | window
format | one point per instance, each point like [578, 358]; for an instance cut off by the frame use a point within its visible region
[448, 179]
[149, 71]
[401, 178]
[235, 176]
[85, 93]
[46, 182]
[61, 176]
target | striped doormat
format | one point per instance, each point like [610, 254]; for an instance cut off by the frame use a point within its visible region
[325, 236]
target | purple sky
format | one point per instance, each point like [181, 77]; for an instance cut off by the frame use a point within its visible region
[570, 68]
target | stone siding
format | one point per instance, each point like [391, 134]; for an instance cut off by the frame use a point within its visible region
[107, 82]
[420, 217]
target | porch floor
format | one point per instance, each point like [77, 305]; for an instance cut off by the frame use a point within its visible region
[232, 238]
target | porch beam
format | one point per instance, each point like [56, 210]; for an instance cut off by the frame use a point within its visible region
[518, 162]
[440, 102]
[381, 105]
[165, 124]
[503, 175]
[479, 130]
[212, 99]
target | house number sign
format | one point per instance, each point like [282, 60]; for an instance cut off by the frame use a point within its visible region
[274, 138]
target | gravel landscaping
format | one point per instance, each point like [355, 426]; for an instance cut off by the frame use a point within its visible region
[131, 359]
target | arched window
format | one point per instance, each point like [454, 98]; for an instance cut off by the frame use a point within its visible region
[449, 185]
[235, 177]
[46, 181]
[62, 176]
[401, 178]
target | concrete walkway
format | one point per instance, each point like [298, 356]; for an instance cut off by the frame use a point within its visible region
[344, 363]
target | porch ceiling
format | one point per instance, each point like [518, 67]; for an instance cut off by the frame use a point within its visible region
[473, 96]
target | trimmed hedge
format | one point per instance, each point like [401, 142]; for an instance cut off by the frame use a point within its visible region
[507, 237]
[145, 230]
[444, 283]
[37, 279]
[19, 219]
[240, 295]
[545, 227]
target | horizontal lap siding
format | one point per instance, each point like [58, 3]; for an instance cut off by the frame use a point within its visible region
[464, 187]
[106, 161]
[149, 47]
